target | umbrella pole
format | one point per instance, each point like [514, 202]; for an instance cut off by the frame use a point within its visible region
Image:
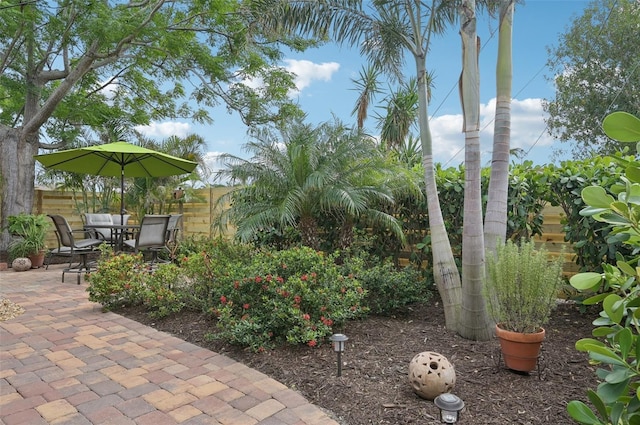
[122, 196]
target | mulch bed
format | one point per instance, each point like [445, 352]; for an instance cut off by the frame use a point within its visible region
[374, 388]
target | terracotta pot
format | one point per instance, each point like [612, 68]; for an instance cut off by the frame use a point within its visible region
[520, 351]
[37, 260]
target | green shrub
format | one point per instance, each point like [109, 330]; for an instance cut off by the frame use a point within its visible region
[160, 294]
[389, 289]
[118, 281]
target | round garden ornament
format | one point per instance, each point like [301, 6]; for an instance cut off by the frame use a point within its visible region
[431, 374]
[21, 264]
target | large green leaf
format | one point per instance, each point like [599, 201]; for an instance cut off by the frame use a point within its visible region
[604, 355]
[586, 281]
[619, 375]
[633, 173]
[622, 126]
[626, 268]
[581, 413]
[610, 393]
[625, 342]
[585, 344]
[597, 197]
[595, 399]
[613, 307]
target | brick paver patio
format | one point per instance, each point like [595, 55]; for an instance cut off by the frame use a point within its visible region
[64, 361]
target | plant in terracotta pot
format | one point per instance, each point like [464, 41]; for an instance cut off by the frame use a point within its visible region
[30, 233]
[521, 290]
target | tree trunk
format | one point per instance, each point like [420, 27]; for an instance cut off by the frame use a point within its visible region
[309, 232]
[17, 176]
[474, 321]
[495, 225]
[445, 271]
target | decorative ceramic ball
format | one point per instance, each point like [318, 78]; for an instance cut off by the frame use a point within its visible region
[21, 264]
[431, 374]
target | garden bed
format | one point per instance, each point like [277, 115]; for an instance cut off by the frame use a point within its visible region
[374, 389]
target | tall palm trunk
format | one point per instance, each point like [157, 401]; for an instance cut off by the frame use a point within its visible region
[445, 271]
[495, 225]
[474, 321]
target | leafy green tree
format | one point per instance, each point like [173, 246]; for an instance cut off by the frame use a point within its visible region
[294, 177]
[595, 71]
[70, 65]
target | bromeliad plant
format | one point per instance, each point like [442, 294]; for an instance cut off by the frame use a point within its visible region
[616, 343]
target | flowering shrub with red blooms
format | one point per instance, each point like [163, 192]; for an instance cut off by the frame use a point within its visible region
[118, 280]
[286, 302]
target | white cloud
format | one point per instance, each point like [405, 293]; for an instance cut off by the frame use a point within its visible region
[527, 131]
[307, 72]
[165, 129]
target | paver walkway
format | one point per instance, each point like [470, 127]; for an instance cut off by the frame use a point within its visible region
[64, 361]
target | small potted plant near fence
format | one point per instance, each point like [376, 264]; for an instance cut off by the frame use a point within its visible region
[521, 290]
[30, 233]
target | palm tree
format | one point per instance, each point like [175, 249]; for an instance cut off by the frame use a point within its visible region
[495, 224]
[474, 321]
[294, 177]
[401, 112]
[367, 84]
[384, 32]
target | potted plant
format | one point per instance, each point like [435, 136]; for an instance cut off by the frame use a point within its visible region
[521, 290]
[30, 233]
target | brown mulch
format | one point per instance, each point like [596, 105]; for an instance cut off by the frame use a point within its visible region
[374, 388]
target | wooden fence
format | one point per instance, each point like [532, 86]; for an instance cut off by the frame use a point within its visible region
[198, 218]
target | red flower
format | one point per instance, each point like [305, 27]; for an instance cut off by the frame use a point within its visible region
[297, 299]
[280, 279]
[223, 299]
[312, 343]
[245, 306]
[306, 317]
[327, 322]
[236, 284]
[313, 275]
[304, 277]
[258, 279]
[269, 277]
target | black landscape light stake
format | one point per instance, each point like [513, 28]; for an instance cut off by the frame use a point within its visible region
[450, 407]
[338, 346]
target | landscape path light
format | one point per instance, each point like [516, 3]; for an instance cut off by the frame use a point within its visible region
[338, 341]
[450, 406]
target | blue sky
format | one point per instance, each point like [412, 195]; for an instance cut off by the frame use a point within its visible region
[325, 87]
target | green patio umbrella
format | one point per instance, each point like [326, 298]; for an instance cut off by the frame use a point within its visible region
[117, 159]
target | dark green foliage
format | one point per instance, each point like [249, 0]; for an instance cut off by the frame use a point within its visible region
[590, 239]
[389, 290]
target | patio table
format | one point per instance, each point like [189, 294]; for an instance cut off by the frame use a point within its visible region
[118, 232]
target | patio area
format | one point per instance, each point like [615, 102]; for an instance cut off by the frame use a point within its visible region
[65, 361]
